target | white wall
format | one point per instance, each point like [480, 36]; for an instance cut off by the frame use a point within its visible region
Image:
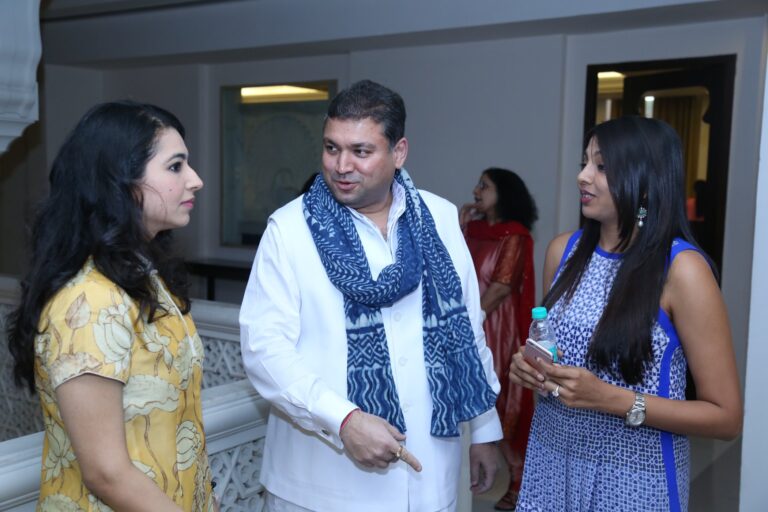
[67, 93]
[21, 175]
[476, 105]
[754, 492]
[178, 89]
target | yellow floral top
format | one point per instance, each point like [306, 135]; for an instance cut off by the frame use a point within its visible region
[92, 326]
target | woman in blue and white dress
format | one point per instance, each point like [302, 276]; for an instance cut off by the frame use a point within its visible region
[634, 302]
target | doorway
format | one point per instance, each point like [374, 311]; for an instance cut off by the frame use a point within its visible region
[695, 96]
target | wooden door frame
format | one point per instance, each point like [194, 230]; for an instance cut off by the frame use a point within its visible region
[720, 71]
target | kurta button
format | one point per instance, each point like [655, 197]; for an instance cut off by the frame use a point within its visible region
[402, 361]
[397, 317]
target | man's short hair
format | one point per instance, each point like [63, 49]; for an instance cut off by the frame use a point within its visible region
[367, 99]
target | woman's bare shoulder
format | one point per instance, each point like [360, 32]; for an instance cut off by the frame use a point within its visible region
[557, 245]
[554, 255]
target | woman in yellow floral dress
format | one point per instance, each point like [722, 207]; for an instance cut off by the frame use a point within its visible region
[103, 333]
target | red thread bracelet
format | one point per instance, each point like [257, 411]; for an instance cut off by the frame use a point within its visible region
[346, 419]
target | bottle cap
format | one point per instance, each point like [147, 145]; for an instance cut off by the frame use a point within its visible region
[539, 313]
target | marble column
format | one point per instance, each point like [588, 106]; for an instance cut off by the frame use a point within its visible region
[20, 49]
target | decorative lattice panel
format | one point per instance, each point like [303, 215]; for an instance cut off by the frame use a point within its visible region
[19, 409]
[223, 362]
[236, 472]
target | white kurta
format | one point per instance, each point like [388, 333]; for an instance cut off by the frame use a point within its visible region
[294, 347]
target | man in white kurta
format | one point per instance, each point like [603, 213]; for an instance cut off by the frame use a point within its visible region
[321, 452]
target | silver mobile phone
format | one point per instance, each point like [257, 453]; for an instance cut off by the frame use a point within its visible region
[533, 350]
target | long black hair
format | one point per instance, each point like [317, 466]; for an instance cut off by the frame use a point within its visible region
[644, 168]
[95, 209]
[513, 201]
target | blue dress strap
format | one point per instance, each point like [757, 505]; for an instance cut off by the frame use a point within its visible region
[679, 245]
[568, 247]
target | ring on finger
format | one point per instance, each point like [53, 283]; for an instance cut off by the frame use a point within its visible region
[399, 452]
[556, 391]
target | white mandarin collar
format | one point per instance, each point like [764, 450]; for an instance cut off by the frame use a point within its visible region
[396, 209]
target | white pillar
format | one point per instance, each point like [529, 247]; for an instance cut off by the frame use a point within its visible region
[754, 451]
[20, 49]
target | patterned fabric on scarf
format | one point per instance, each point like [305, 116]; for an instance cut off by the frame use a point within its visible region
[457, 381]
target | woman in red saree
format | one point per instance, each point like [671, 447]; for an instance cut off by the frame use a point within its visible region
[497, 230]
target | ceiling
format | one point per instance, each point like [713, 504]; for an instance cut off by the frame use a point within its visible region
[62, 9]
[147, 32]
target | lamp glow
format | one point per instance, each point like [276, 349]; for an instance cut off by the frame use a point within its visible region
[281, 93]
[648, 111]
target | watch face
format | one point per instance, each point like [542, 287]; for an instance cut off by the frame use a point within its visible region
[636, 417]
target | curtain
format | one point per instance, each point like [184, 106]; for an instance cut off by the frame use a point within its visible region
[683, 113]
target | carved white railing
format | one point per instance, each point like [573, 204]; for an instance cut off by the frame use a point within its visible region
[19, 56]
[235, 423]
[233, 413]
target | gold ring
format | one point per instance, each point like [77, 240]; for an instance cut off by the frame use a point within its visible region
[556, 392]
[399, 454]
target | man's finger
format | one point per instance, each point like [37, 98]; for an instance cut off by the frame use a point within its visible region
[410, 459]
[531, 373]
[474, 475]
[479, 484]
[399, 436]
[486, 480]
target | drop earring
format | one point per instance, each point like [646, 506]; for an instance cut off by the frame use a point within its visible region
[642, 213]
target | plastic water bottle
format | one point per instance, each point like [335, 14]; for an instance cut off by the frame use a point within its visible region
[541, 331]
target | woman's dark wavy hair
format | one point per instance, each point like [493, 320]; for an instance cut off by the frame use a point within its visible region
[513, 201]
[95, 209]
[644, 167]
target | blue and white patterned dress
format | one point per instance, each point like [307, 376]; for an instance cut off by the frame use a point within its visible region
[584, 460]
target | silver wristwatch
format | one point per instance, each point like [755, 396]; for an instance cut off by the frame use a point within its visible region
[636, 415]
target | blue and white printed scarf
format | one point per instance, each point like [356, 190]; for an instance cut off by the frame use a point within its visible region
[457, 381]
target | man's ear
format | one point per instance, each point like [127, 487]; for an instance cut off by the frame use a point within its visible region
[400, 152]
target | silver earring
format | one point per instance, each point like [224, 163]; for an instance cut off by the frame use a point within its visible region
[642, 213]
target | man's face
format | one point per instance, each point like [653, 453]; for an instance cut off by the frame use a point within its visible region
[358, 164]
